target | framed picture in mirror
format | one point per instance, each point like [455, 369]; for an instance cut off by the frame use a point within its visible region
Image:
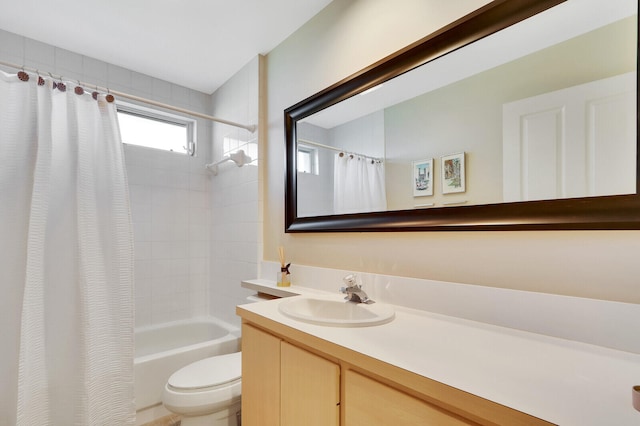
[423, 178]
[452, 168]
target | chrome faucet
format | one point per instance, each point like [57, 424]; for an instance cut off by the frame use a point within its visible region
[354, 292]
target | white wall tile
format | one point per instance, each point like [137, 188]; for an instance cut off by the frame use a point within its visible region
[180, 268]
[165, 197]
[199, 101]
[95, 71]
[68, 64]
[162, 250]
[164, 212]
[142, 84]
[143, 314]
[199, 266]
[142, 231]
[12, 45]
[199, 199]
[199, 233]
[199, 216]
[198, 182]
[39, 55]
[143, 271]
[180, 96]
[161, 90]
[142, 250]
[140, 193]
[140, 212]
[137, 175]
[118, 78]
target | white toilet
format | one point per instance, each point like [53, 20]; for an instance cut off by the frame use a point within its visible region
[206, 392]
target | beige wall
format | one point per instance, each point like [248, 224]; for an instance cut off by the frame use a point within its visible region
[349, 35]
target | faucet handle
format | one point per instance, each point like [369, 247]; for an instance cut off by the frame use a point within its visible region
[351, 280]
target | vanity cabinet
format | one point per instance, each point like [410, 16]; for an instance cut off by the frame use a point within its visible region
[284, 385]
[293, 378]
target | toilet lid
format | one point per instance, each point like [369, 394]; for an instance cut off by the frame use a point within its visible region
[209, 372]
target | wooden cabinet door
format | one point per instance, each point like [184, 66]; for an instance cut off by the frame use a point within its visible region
[368, 402]
[260, 378]
[310, 389]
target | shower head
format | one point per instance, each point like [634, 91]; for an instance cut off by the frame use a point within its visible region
[238, 157]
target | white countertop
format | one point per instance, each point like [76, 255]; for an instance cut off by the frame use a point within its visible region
[561, 381]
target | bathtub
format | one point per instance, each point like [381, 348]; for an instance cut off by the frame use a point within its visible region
[160, 350]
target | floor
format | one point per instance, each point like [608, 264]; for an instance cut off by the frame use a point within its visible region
[170, 420]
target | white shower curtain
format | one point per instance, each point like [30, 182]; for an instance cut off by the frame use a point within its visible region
[66, 259]
[358, 185]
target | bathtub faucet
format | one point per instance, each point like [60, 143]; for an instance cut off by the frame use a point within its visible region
[354, 292]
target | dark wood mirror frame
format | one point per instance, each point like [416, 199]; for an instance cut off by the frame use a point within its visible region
[589, 213]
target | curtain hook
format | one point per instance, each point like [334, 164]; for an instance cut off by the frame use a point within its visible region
[109, 96]
[95, 93]
[61, 86]
[23, 76]
[54, 85]
[40, 79]
[79, 90]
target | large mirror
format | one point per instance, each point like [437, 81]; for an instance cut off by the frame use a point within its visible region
[521, 115]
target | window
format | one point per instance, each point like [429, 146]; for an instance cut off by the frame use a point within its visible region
[156, 129]
[307, 160]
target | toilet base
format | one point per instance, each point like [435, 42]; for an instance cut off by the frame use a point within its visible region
[225, 417]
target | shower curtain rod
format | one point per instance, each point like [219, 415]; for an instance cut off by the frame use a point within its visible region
[333, 148]
[250, 127]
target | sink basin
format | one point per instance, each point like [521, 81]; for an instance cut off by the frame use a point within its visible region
[336, 313]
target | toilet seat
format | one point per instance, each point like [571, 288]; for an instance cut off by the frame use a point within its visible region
[205, 386]
[209, 373]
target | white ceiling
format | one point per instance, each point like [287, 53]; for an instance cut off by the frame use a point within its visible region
[195, 43]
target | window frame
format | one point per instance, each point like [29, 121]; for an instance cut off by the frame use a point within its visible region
[190, 125]
[313, 159]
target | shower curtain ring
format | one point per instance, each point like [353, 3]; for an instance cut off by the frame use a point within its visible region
[54, 85]
[40, 79]
[61, 86]
[109, 96]
[23, 76]
[79, 90]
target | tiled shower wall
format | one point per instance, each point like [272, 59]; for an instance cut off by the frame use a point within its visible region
[236, 232]
[171, 221]
[170, 193]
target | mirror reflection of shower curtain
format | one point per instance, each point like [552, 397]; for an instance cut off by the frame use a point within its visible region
[358, 185]
[66, 256]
